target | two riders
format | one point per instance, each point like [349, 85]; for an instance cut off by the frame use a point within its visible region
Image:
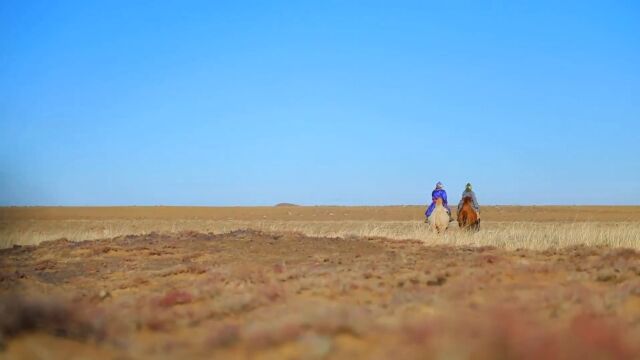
[440, 193]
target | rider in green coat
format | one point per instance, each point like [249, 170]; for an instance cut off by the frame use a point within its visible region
[468, 192]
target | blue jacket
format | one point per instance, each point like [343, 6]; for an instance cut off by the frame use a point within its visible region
[438, 194]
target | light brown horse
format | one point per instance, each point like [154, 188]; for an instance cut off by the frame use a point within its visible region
[439, 219]
[467, 216]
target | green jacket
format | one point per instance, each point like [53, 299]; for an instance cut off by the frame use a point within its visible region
[472, 195]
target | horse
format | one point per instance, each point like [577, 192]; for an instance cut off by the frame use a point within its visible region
[467, 216]
[439, 218]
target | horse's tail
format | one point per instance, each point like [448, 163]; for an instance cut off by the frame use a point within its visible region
[468, 215]
[463, 216]
[473, 215]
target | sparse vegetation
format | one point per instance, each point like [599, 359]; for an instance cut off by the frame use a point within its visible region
[509, 235]
[199, 288]
[507, 227]
[261, 294]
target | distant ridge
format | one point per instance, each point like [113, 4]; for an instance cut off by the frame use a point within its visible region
[286, 205]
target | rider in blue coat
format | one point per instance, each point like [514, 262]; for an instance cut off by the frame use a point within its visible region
[438, 193]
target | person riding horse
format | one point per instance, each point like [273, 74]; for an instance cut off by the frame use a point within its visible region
[468, 192]
[438, 193]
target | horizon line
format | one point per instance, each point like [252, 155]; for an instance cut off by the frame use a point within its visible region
[307, 205]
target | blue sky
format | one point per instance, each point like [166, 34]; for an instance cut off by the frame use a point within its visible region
[318, 102]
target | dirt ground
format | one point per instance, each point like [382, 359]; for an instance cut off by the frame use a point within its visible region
[250, 294]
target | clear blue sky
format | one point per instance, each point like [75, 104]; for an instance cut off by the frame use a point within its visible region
[318, 102]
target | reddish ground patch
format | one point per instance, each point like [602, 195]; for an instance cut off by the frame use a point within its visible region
[251, 294]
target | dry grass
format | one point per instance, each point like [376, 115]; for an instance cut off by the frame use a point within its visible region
[320, 213]
[509, 235]
[258, 295]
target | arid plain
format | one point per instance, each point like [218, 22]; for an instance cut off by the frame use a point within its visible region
[512, 227]
[318, 282]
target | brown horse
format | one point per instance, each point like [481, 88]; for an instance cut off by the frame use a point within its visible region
[467, 216]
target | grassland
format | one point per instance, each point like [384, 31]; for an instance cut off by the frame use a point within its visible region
[509, 227]
[318, 283]
[253, 295]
